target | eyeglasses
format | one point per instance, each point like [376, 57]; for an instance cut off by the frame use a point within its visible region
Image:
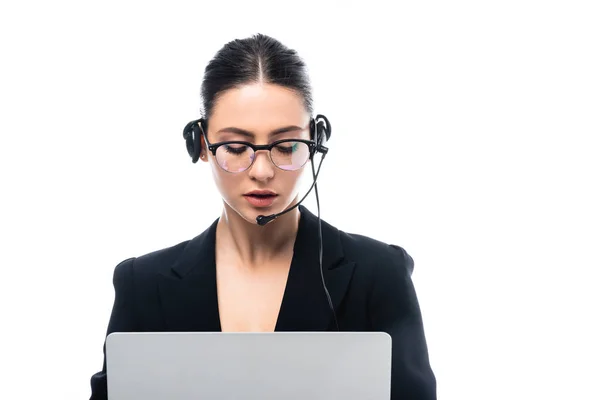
[237, 156]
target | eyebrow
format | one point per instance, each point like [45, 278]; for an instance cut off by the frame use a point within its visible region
[249, 134]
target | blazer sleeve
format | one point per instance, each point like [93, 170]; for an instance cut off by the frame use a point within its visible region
[394, 309]
[122, 319]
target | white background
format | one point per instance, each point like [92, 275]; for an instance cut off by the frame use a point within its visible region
[464, 131]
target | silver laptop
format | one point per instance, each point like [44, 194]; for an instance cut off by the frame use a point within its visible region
[265, 366]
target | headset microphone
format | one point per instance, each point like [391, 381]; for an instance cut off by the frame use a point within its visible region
[322, 131]
[263, 220]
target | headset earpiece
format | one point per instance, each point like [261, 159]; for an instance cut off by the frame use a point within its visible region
[192, 134]
[322, 130]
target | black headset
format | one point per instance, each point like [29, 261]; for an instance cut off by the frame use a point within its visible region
[320, 132]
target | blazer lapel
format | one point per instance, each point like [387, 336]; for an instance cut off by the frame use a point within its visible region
[189, 294]
[305, 306]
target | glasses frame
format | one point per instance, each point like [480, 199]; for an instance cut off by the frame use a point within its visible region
[212, 147]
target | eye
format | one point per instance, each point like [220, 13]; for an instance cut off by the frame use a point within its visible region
[235, 148]
[287, 148]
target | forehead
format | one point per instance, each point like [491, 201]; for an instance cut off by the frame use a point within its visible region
[259, 107]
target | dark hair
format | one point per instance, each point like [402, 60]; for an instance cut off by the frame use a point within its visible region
[254, 59]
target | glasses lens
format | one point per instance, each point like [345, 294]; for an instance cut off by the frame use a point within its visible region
[290, 155]
[234, 157]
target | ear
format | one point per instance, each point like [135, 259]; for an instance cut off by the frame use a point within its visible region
[203, 147]
[203, 150]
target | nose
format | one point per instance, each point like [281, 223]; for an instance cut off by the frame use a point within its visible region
[262, 169]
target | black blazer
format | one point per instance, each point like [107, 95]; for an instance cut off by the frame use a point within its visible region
[174, 289]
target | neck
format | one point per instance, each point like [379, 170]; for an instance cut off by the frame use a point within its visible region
[254, 244]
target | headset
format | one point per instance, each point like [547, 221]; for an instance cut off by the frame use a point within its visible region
[320, 133]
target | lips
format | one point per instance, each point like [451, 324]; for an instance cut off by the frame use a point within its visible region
[261, 198]
[261, 193]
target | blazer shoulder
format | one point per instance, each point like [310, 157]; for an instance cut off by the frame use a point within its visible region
[152, 263]
[381, 257]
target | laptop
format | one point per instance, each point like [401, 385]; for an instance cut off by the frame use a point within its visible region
[252, 366]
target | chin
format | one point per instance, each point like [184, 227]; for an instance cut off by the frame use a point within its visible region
[250, 213]
[247, 212]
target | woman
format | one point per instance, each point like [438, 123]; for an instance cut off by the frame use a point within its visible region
[246, 273]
